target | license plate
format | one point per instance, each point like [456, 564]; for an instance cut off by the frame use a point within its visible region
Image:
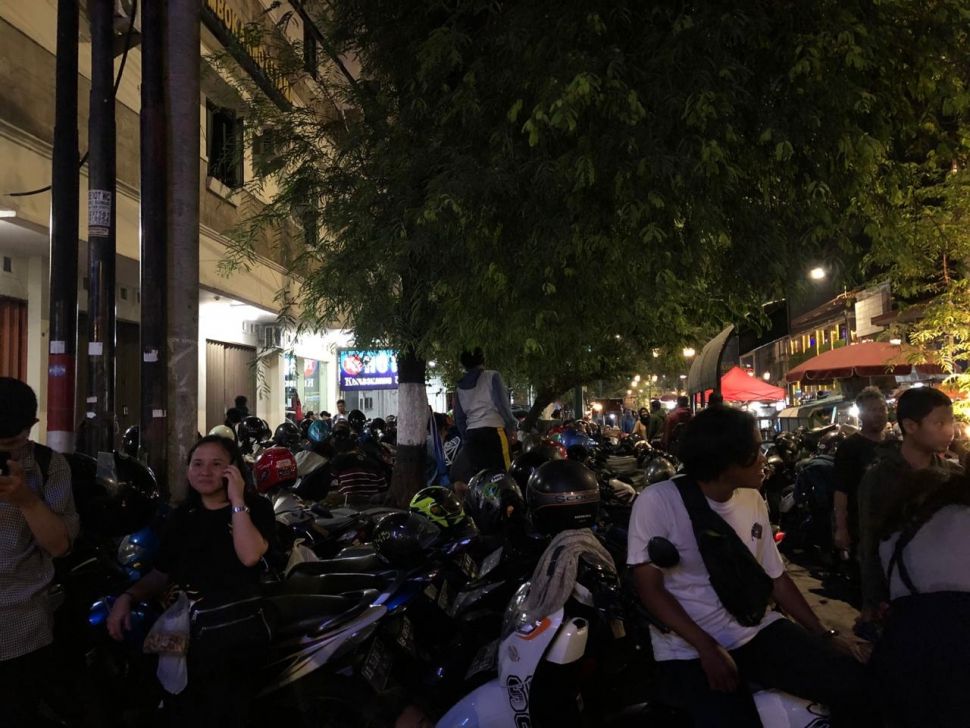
[377, 665]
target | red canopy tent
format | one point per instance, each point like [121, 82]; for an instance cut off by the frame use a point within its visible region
[868, 359]
[739, 386]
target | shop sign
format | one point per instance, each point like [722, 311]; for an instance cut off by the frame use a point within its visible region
[364, 369]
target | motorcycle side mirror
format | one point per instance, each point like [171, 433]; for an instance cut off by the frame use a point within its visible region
[662, 553]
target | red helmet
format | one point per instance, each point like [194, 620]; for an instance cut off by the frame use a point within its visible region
[275, 467]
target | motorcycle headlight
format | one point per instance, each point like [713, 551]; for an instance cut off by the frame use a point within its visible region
[515, 617]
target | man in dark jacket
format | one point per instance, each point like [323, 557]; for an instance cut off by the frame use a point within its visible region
[925, 418]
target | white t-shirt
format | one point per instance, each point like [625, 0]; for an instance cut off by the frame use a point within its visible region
[660, 511]
[936, 558]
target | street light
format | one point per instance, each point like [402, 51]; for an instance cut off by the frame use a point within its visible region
[766, 376]
[689, 351]
[817, 273]
[896, 342]
[656, 353]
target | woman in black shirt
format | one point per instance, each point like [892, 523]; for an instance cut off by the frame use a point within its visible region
[211, 549]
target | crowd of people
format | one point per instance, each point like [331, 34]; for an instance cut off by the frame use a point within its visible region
[901, 510]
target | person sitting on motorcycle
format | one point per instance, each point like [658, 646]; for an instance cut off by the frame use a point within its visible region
[211, 548]
[352, 475]
[922, 662]
[708, 653]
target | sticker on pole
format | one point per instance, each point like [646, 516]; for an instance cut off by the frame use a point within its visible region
[99, 213]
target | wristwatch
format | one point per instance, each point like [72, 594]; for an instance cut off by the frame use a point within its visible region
[240, 509]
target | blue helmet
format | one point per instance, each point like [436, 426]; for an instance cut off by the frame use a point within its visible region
[137, 552]
[319, 431]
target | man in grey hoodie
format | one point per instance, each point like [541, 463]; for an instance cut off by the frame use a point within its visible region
[483, 415]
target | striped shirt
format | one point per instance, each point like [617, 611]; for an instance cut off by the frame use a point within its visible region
[359, 481]
[26, 570]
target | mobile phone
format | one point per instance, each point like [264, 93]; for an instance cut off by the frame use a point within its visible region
[4, 456]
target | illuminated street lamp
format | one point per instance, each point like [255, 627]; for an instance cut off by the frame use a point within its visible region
[689, 351]
[817, 273]
[766, 376]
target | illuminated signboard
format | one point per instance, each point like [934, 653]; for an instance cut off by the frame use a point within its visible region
[362, 369]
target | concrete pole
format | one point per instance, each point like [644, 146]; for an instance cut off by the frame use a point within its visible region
[182, 87]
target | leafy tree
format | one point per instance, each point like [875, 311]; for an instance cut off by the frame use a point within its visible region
[539, 178]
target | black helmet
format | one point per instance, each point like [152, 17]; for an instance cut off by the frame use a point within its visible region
[253, 429]
[526, 463]
[130, 441]
[305, 428]
[563, 494]
[829, 443]
[659, 469]
[287, 435]
[403, 538]
[116, 493]
[377, 427]
[356, 419]
[490, 494]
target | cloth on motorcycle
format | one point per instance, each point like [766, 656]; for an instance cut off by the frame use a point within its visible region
[300, 554]
[555, 575]
[736, 575]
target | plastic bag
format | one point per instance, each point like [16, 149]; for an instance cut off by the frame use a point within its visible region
[173, 673]
[170, 633]
[300, 554]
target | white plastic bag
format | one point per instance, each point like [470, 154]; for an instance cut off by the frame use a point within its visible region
[300, 554]
[170, 633]
[173, 673]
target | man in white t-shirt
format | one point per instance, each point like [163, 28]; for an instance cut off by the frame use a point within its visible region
[708, 654]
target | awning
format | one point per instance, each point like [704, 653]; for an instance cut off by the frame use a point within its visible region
[869, 359]
[706, 368]
[738, 386]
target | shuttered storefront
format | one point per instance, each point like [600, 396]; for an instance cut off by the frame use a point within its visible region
[13, 338]
[229, 371]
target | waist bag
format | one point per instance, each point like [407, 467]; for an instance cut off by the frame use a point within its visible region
[229, 627]
[738, 579]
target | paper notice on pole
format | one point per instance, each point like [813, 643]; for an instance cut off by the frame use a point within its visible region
[150, 356]
[158, 414]
[58, 347]
[95, 348]
[99, 212]
[91, 400]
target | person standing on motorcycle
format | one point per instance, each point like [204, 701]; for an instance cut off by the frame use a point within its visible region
[925, 418]
[852, 458]
[708, 654]
[38, 522]
[212, 548]
[484, 415]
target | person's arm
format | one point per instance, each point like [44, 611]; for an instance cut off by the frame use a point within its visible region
[718, 665]
[51, 529]
[790, 599]
[874, 590]
[247, 541]
[149, 586]
[841, 506]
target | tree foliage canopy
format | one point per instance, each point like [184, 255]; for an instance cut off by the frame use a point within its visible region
[541, 177]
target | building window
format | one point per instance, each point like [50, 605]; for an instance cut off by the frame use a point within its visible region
[310, 60]
[224, 145]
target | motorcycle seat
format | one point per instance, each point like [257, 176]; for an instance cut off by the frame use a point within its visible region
[327, 526]
[300, 582]
[344, 565]
[302, 613]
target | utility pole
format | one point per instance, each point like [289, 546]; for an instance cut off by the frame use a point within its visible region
[65, 184]
[99, 427]
[182, 87]
[154, 244]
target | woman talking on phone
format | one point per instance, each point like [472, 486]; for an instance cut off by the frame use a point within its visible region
[211, 549]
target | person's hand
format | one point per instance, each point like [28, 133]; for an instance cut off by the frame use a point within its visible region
[842, 539]
[119, 621]
[513, 436]
[236, 486]
[13, 487]
[720, 668]
[858, 649]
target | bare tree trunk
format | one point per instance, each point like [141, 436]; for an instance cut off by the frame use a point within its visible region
[412, 429]
[544, 398]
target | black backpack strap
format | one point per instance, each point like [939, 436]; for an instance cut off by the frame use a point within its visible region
[897, 561]
[42, 456]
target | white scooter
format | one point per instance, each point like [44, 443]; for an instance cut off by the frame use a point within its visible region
[530, 647]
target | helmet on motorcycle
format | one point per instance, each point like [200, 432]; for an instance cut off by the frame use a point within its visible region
[573, 436]
[356, 419]
[403, 538]
[305, 428]
[524, 465]
[829, 443]
[659, 469]
[122, 498]
[223, 431]
[287, 435]
[490, 495]
[253, 429]
[137, 552]
[319, 431]
[130, 441]
[563, 494]
[579, 453]
[377, 427]
[439, 505]
[275, 467]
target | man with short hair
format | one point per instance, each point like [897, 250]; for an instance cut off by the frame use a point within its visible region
[341, 411]
[242, 407]
[674, 424]
[711, 653]
[38, 522]
[852, 458]
[657, 418]
[925, 418]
